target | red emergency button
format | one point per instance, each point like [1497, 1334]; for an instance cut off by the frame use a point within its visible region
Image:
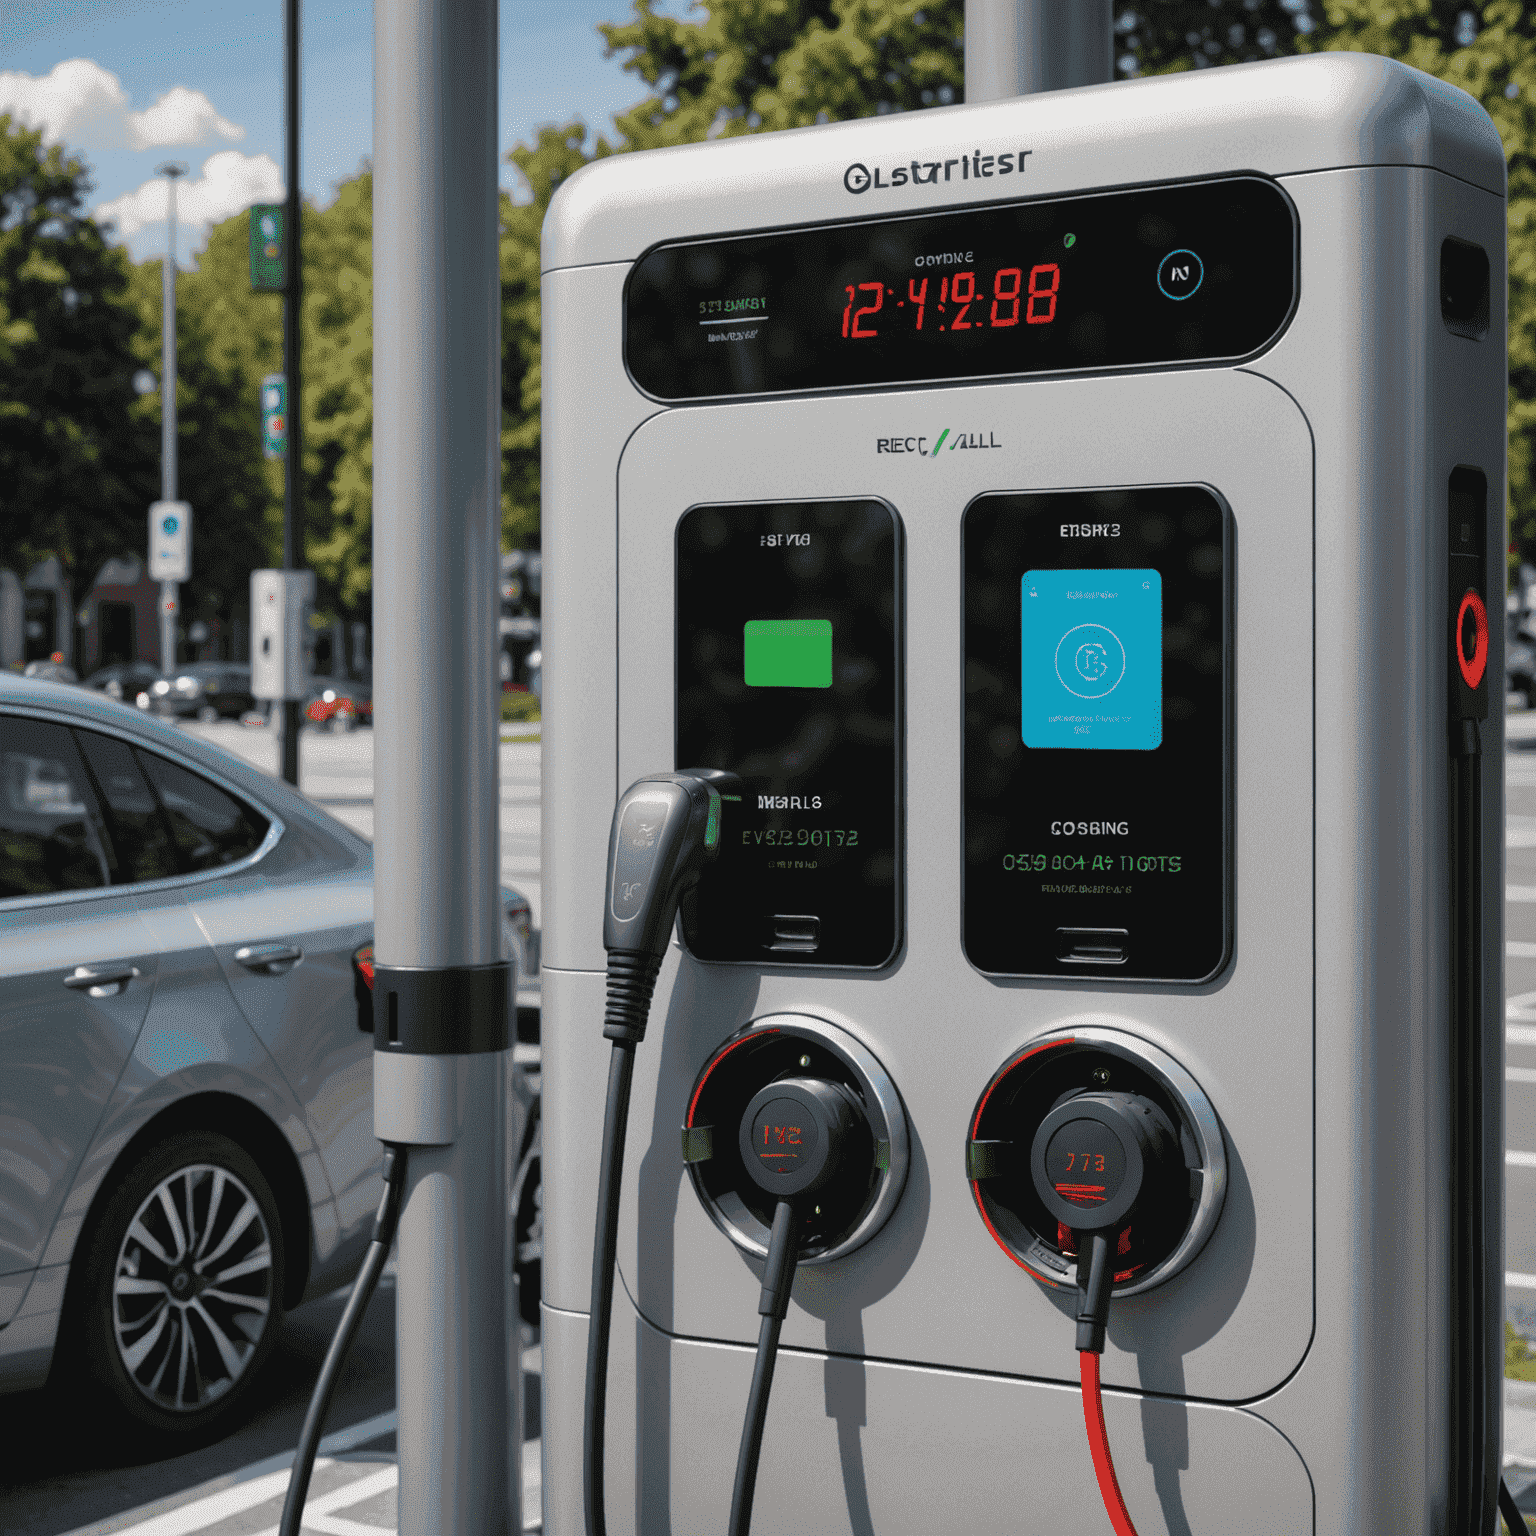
[1473, 666]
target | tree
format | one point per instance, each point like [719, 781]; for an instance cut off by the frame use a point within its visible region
[77, 459]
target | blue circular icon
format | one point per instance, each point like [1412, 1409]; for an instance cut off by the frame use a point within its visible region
[169, 525]
[1179, 275]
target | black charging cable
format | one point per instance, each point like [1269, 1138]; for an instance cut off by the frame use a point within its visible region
[385, 1220]
[665, 828]
[791, 1140]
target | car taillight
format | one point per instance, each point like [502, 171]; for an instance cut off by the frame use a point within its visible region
[362, 963]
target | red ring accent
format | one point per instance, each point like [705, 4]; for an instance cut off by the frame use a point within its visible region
[751, 1034]
[1472, 671]
[1024, 1055]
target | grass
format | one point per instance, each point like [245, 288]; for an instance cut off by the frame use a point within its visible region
[519, 706]
[1519, 1359]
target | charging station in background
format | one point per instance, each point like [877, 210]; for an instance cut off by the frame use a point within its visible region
[1073, 521]
[282, 642]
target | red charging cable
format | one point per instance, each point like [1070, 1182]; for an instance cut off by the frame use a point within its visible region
[1098, 1443]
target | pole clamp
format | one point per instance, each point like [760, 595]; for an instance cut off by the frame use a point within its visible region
[448, 1010]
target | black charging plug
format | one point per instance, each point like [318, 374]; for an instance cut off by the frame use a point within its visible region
[1096, 1159]
[665, 829]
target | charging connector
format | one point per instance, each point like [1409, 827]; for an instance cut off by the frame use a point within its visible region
[665, 829]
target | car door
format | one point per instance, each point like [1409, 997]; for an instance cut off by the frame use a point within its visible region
[78, 966]
[284, 933]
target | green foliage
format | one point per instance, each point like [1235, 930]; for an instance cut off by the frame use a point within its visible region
[1519, 1361]
[519, 706]
[78, 459]
[1163, 36]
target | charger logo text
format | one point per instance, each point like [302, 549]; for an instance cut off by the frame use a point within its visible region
[975, 166]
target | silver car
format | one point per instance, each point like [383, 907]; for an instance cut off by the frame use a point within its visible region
[186, 1109]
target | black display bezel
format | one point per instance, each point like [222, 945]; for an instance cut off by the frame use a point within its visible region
[1220, 738]
[711, 892]
[827, 381]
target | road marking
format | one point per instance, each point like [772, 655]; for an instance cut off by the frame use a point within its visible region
[1519, 949]
[242, 1490]
[1522, 1007]
[1520, 1159]
[1520, 893]
[1514, 1281]
[1520, 1074]
[317, 1512]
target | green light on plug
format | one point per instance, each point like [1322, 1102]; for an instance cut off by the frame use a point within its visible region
[1070, 241]
[712, 826]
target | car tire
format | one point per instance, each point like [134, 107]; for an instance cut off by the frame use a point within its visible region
[207, 714]
[171, 1343]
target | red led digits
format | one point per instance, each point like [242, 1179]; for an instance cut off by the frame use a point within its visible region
[919, 296]
[1010, 301]
[963, 297]
[1046, 296]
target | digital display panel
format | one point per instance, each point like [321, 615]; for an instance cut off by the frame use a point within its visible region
[1091, 659]
[788, 674]
[1097, 734]
[1193, 272]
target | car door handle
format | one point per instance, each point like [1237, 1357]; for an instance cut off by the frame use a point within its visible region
[104, 981]
[269, 958]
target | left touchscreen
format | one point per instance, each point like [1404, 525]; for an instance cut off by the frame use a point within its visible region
[789, 674]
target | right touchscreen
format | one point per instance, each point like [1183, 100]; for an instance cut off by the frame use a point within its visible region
[1097, 750]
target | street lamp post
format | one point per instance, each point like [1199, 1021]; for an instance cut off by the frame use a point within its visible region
[169, 599]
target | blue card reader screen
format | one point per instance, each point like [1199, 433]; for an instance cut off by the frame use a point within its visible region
[1092, 659]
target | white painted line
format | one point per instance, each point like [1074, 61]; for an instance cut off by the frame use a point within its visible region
[1520, 893]
[241, 1490]
[1514, 1281]
[1520, 1074]
[317, 1512]
[1519, 949]
[1523, 1007]
[1520, 1159]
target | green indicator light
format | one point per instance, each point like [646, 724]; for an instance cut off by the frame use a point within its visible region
[788, 653]
[712, 826]
[1070, 241]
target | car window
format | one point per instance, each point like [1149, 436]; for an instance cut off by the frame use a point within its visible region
[140, 836]
[51, 838]
[211, 828]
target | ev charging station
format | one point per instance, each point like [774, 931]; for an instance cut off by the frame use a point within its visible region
[1040, 554]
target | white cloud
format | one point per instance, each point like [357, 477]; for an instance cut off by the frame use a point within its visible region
[77, 100]
[180, 117]
[81, 103]
[230, 183]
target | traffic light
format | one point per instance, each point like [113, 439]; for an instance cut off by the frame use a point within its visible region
[274, 416]
[269, 249]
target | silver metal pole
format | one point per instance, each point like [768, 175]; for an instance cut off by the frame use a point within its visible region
[169, 597]
[1018, 47]
[443, 1087]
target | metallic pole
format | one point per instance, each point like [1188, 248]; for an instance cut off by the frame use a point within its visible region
[293, 462]
[1018, 47]
[170, 604]
[442, 1061]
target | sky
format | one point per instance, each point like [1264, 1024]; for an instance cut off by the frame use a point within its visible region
[131, 84]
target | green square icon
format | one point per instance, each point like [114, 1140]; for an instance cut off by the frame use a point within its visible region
[788, 653]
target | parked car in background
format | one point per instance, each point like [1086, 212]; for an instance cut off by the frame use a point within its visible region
[51, 671]
[204, 690]
[338, 703]
[1519, 664]
[186, 1119]
[124, 680]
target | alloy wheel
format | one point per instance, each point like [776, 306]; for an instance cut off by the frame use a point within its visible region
[192, 1288]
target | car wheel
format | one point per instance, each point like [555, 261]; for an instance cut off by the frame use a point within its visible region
[181, 1294]
[207, 714]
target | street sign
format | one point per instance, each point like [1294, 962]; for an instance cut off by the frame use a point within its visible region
[170, 540]
[274, 416]
[269, 250]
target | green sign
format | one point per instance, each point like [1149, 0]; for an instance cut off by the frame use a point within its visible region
[788, 653]
[274, 416]
[269, 251]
